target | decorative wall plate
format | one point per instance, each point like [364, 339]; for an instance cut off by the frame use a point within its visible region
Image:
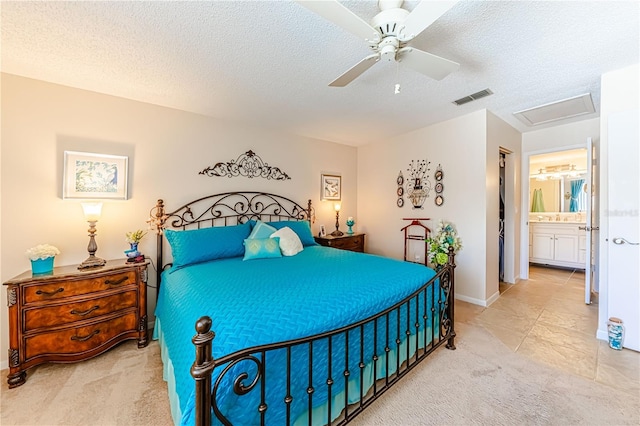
[439, 187]
[439, 200]
[400, 180]
[400, 202]
[438, 175]
[400, 191]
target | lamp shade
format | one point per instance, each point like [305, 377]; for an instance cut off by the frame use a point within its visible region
[92, 211]
[336, 206]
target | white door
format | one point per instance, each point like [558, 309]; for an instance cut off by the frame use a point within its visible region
[623, 275]
[590, 227]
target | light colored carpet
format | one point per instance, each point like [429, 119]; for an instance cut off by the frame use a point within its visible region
[482, 382]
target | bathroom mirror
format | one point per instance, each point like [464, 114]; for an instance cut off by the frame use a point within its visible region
[557, 194]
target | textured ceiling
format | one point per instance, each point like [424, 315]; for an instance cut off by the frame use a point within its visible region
[269, 62]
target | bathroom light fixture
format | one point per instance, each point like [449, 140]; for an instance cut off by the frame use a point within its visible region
[92, 213]
[557, 172]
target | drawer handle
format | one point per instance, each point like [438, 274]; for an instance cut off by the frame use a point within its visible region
[85, 338]
[50, 293]
[116, 282]
[87, 312]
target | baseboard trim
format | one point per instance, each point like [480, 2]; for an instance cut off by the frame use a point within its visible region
[480, 302]
[602, 335]
[495, 296]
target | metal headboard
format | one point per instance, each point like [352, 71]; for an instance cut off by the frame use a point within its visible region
[229, 208]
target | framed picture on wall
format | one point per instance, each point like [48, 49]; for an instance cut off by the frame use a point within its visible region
[90, 175]
[331, 187]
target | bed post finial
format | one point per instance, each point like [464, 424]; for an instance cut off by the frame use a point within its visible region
[309, 212]
[201, 370]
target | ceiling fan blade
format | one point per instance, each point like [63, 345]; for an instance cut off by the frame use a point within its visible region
[335, 12]
[423, 15]
[355, 71]
[430, 65]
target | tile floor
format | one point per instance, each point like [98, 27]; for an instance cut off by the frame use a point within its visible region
[545, 318]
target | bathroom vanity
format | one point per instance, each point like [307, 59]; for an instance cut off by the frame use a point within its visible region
[557, 242]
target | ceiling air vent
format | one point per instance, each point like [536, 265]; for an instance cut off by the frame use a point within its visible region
[473, 97]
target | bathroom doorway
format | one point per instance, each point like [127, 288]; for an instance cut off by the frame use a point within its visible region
[559, 212]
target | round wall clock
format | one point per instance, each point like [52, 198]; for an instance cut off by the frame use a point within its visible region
[400, 202]
[439, 200]
[400, 191]
[439, 187]
[438, 175]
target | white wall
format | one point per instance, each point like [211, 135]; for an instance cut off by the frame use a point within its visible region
[460, 146]
[620, 92]
[166, 148]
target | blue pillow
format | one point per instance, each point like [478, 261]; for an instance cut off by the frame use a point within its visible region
[261, 248]
[300, 227]
[201, 245]
[261, 230]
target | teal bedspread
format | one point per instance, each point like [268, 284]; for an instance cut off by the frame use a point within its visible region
[264, 301]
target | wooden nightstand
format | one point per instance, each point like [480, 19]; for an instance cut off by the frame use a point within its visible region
[353, 242]
[71, 315]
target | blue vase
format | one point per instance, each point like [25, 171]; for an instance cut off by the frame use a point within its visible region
[42, 266]
[133, 251]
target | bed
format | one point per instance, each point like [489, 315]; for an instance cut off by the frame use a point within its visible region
[313, 337]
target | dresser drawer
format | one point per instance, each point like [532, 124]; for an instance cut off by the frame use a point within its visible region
[79, 339]
[62, 289]
[50, 316]
[353, 244]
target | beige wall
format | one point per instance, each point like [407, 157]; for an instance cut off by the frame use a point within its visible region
[166, 149]
[460, 146]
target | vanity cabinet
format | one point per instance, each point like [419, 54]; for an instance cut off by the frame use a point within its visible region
[557, 244]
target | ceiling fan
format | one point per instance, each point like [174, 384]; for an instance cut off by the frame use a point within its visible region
[389, 35]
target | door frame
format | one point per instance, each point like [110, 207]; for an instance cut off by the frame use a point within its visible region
[524, 217]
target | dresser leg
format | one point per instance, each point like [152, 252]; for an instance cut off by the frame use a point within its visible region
[16, 379]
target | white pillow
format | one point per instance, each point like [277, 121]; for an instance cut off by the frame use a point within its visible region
[290, 243]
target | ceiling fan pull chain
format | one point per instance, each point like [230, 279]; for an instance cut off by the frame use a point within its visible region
[397, 88]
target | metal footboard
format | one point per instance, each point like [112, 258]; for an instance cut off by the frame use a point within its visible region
[408, 336]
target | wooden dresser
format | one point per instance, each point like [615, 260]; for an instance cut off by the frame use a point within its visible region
[71, 315]
[353, 242]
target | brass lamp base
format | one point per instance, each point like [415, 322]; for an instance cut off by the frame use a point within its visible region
[92, 262]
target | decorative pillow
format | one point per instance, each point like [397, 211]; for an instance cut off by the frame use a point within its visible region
[261, 248]
[261, 230]
[289, 242]
[300, 227]
[201, 245]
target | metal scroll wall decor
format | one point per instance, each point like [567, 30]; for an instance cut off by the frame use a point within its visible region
[249, 165]
[418, 184]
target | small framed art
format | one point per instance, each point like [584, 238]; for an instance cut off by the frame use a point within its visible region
[323, 232]
[331, 187]
[90, 175]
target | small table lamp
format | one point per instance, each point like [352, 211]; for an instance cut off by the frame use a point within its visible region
[92, 214]
[337, 232]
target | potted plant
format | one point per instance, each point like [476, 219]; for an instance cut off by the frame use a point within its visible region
[133, 238]
[42, 257]
[438, 245]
